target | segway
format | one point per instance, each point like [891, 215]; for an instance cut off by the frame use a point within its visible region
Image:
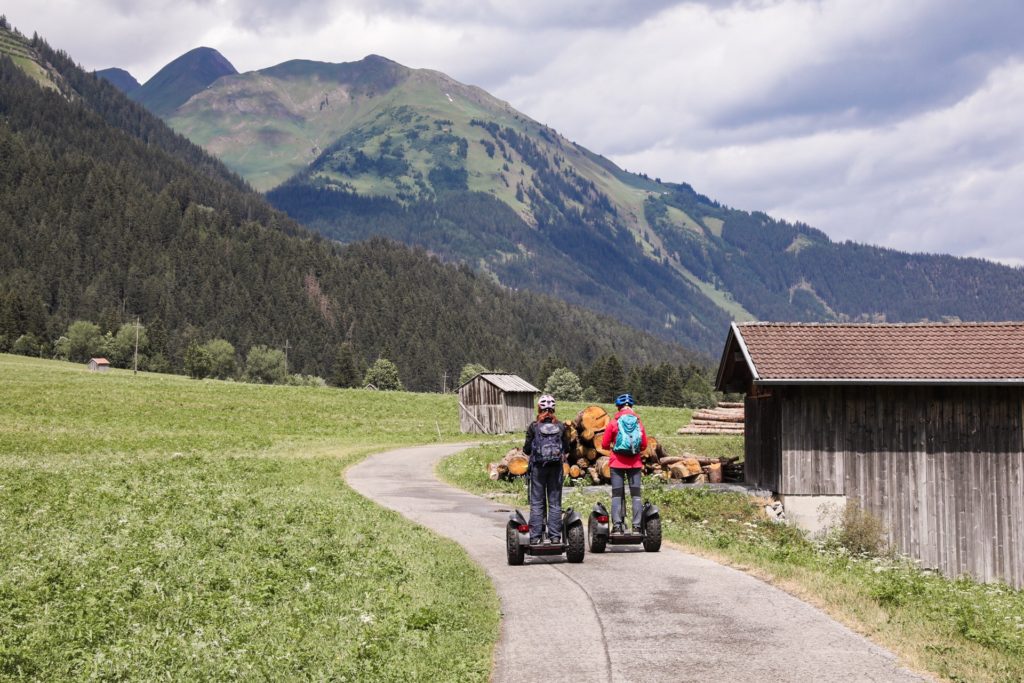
[517, 539]
[599, 536]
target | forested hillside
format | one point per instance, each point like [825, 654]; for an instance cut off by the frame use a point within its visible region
[106, 214]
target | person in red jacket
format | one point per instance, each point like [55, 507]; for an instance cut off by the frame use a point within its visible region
[626, 439]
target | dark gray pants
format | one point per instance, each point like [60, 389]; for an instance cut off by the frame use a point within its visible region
[619, 475]
[546, 487]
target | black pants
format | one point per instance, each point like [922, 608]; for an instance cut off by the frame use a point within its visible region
[546, 487]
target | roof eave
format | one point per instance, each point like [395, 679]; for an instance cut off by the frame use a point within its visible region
[884, 380]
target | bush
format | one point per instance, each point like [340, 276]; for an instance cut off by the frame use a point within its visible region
[383, 374]
[855, 529]
[469, 371]
[564, 385]
[265, 366]
[84, 341]
[222, 358]
[197, 361]
[26, 345]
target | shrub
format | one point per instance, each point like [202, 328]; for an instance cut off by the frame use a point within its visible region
[564, 385]
[855, 529]
[264, 365]
[383, 374]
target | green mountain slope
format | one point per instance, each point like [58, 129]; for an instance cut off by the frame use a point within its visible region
[372, 147]
[120, 79]
[139, 222]
[187, 75]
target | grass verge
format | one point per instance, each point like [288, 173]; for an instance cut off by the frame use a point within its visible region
[158, 527]
[959, 630]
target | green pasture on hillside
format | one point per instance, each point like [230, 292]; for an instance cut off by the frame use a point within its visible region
[155, 527]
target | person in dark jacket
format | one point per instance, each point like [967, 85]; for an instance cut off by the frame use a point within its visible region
[547, 444]
[625, 464]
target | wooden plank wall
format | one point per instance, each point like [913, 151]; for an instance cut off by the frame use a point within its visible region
[943, 467]
[497, 411]
[761, 445]
[520, 411]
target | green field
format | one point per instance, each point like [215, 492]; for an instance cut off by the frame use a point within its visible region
[959, 630]
[156, 527]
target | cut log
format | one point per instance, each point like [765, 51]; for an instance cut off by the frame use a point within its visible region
[719, 415]
[684, 468]
[574, 471]
[714, 473]
[669, 460]
[602, 452]
[594, 475]
[565, 469]
[591, 421]
[604, 467]
[730, 404]
[518, 464]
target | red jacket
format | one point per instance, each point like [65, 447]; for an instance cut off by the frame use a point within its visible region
[623, 460]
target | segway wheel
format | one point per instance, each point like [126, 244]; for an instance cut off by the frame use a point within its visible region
[576, 542]
[652, 535]
[514, 551]
[596, 543]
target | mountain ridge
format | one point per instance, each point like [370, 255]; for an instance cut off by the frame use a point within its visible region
[415, 155]
[144, 223]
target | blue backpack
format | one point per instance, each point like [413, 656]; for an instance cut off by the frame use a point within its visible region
[628, 438]
[547, 443]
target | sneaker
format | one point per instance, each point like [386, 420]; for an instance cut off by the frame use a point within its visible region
[534, 541]
[555, 541]
[638, 530]
[617, 529]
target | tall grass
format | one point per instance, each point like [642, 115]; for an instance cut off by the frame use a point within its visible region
[158, 527]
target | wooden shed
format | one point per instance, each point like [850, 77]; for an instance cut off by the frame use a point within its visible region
[493, 403]
[98, 364]
[922, 423]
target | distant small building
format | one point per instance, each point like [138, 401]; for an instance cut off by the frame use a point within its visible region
[98, 364]
[922, 424]
[492, 403]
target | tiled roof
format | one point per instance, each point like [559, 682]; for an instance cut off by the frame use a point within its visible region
[936, 352]
[509, 382]
[101, 361]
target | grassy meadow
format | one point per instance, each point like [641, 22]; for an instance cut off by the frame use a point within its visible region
[157, 527]
[957, 630]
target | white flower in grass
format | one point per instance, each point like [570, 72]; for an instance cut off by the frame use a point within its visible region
[366, 618]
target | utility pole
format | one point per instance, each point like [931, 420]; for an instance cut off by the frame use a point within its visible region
[135, 365]
[286, 347]
[444, 383]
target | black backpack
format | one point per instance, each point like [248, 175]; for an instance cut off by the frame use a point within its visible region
[547, 443]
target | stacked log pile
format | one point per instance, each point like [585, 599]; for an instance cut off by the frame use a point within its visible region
[725, 418]
[588, 459]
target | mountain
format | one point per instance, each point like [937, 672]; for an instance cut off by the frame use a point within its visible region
[120, 79]
[106, 214]
[375, 148]
[187, 75]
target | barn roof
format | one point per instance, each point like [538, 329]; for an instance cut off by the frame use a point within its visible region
[826, 353]
[100, 361]
[505, 382]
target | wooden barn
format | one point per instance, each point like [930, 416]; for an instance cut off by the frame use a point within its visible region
[98, 364]
[493, 403]
[922, 423]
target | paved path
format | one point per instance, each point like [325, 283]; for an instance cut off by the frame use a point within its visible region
[680, 618]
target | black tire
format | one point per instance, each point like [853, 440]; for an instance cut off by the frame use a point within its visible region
[575, 537]
[596, 543]
[652, 535]
[514, 551]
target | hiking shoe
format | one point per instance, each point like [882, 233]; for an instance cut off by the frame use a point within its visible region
[617, 529]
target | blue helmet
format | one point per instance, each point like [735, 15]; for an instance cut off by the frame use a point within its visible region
[625, 400]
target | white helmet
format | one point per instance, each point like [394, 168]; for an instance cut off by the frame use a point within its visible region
[546, 402]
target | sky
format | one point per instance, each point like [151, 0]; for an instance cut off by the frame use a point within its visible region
[891, 122]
